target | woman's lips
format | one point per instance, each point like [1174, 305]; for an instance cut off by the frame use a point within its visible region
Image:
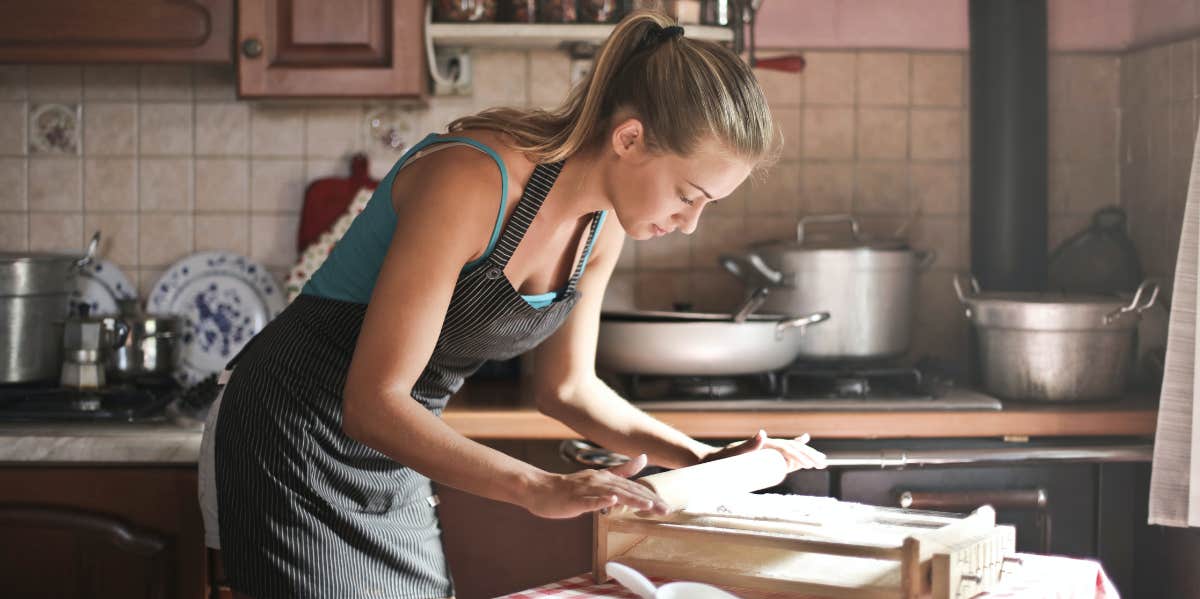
[658, 231]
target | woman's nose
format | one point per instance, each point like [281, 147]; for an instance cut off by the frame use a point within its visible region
[686, 221]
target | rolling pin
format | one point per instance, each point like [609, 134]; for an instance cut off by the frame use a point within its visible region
[739, 474]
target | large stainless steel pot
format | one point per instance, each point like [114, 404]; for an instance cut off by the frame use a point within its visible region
[35, 288]
[1053, 346]
[683, 343]
[868, 285]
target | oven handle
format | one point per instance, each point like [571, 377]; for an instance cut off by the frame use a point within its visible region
[591, 456]
[899, 458]
[957, 501]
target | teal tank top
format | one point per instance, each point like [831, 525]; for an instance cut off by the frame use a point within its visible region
[350, 270]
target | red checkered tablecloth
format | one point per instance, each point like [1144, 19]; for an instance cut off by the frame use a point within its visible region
[583, 586]
[1038, 577]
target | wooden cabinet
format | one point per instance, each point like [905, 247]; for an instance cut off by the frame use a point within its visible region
[90, 31]
[495, 548]
[100, 532]
[315, 48]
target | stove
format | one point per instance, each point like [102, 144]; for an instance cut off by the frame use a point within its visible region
[42, 403]
[803, 387]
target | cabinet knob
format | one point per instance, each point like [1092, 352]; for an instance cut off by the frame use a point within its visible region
[252, 48]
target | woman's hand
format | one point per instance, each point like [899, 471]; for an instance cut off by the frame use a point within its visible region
[796, 451]
[569, 495]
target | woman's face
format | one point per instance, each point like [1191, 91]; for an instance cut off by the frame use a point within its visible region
[658, 194]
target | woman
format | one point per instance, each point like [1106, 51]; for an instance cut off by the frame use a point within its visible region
[321, 449]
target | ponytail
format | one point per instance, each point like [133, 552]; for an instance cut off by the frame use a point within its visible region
[680, 88]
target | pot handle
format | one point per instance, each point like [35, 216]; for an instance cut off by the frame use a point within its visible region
[733, 265]
[90, 256]
[827, 218]
[740, 266]
[925, 259]
[799, 322]
[1136, 306]
[958, 287]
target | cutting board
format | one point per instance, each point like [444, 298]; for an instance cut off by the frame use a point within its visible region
[327, 199]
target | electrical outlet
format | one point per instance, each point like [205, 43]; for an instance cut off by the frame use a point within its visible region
[580, 68]
[454, 72]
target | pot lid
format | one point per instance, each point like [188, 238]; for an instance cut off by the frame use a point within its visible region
[667, 316]
[1055, 311]
[31, 257]
[831, 237]
[1081, 300]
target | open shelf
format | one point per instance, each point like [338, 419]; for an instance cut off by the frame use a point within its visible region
[544, 35]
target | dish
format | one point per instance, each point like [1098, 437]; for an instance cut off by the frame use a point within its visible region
[99, 286]
[224, 298]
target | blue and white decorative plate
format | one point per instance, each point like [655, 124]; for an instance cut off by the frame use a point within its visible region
[224, 298]
[99, 286]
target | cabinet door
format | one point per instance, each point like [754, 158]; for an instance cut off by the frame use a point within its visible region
[117, 31]
[100, 532]
[316, 48]
[81, 554]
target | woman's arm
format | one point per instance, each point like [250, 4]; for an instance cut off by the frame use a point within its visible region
[444, 221]
[567, 389]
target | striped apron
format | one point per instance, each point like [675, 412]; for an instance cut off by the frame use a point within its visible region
[306, 511]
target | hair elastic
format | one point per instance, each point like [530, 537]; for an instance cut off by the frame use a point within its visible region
[659, 34]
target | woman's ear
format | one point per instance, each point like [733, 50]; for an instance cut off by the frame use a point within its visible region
[628, 136]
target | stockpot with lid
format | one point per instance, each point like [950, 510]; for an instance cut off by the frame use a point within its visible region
[35, 289]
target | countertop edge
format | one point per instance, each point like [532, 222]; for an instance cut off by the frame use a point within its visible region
[173, 444]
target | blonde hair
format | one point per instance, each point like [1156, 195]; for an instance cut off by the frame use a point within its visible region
[682, 89]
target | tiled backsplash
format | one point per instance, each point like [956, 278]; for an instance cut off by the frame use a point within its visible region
[172, 163]
[1158, 98]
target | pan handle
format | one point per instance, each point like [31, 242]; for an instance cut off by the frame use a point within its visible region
[799, 322]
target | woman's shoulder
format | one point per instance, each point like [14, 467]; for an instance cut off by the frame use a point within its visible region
[515, 162]
[466, 169]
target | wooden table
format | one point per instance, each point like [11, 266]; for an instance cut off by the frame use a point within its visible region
[1038, 576]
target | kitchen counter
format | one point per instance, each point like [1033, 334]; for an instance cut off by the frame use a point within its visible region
[98, 443]
[1135, 417]
[171, 443]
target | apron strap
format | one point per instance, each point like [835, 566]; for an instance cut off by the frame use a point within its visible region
[535, 193]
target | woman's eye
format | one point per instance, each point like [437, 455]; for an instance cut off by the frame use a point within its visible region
[687, 201]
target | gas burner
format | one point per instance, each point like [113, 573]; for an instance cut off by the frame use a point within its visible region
[657, 387]
[851, 387]
[34, 403]
[855, 383]
[804, 387]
